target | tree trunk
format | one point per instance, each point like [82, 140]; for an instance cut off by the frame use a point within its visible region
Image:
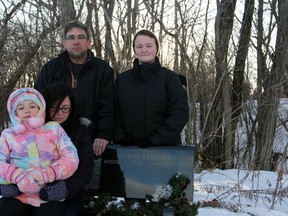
[108, 7]
[239, 69]
[68, 12]
[218, 132]
[268, 108]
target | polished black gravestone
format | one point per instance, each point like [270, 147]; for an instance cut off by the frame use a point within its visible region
[132, 172]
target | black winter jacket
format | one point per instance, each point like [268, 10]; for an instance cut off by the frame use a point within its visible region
[94, 91]
[79, 135]
[150, 102]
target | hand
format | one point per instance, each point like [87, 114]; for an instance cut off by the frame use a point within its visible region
[14, 174]
[28, 185]
[36, 174]
[20, 177]
[44, 175]
[55, 191]
[99, 146]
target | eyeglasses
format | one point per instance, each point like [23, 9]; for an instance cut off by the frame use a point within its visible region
[79, 37]
[64, 109]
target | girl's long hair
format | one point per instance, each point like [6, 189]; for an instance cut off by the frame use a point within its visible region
[54, 94]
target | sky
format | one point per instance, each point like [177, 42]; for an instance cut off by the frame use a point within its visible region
[247, 192]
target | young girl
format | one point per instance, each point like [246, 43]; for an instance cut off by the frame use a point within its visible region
[32, 154]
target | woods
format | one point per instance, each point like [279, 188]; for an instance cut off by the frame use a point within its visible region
[231, 52]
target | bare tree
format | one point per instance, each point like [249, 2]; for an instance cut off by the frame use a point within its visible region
[217, 144]
[267, 109]
[217, 69]
[108, 7]
[67, 10]
[238, 89]
[17, 61]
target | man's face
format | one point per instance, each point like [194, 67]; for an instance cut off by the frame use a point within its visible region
[77, 43]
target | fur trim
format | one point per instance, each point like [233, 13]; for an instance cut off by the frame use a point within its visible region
[36, 122]
[85, 121]
[19, 128]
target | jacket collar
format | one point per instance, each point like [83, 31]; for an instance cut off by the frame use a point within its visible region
[65, 60]
[145, 71]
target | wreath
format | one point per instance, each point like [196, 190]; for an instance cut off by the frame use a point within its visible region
[167, 200]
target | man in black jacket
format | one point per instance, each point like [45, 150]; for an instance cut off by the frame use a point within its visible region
[91, 79]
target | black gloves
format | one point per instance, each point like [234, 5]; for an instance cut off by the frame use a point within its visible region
[54, 191]
[9, 190]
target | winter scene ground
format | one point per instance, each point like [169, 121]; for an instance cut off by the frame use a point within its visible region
[247, 192]
[241, 193]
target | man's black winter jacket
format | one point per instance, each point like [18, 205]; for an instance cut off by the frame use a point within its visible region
[94, 91]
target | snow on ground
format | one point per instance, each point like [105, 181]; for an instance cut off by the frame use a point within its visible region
[241, 193]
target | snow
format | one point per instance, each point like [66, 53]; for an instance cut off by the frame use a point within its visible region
[241, 193]
[246, 192]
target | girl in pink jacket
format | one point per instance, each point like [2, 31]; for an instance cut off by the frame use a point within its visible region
[33, 153]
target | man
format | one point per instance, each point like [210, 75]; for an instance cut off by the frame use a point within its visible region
[90, 78]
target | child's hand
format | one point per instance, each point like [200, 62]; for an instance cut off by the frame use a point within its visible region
[28, 184]
[36, 174]
[44, 175]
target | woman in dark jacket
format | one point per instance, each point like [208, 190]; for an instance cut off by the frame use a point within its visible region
[60, 107]
[151, 105]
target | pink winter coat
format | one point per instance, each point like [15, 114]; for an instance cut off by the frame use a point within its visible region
[35, 145]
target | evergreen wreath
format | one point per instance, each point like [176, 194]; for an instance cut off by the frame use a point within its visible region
[171, 197]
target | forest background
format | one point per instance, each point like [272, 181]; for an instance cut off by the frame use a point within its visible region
[233, 53]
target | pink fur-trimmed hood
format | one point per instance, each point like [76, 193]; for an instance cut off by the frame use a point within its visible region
[18, 96]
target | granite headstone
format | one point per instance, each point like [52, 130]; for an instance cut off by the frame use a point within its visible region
[132, 172]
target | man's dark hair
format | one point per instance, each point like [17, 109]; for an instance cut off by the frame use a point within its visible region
[75, 24]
